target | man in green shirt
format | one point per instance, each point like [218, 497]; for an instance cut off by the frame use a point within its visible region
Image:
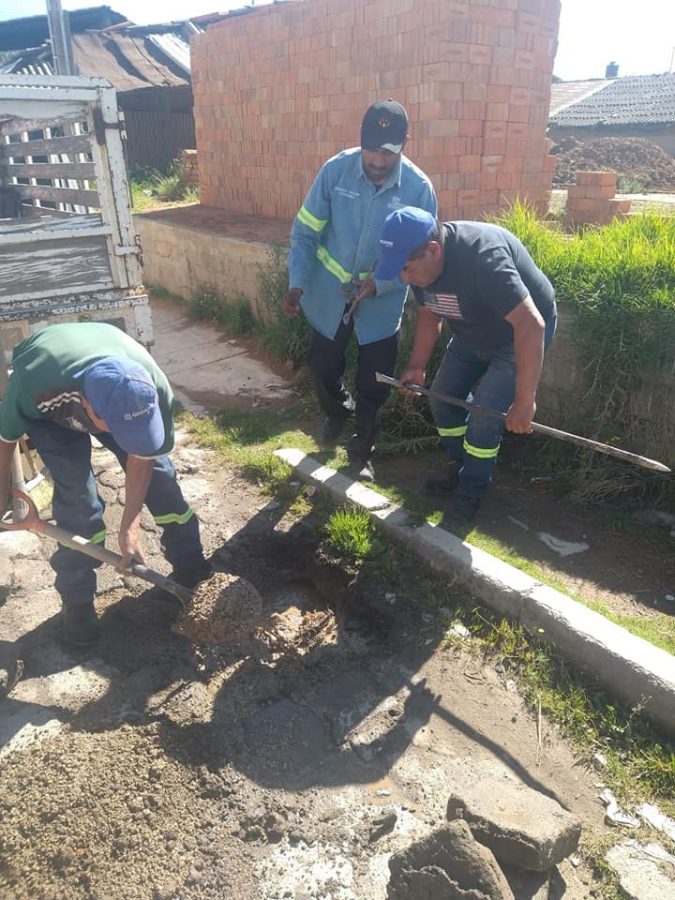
[68, 382]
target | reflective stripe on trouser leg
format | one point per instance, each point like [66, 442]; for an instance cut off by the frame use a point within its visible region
[180, 539]
[452, 440]
[481, 448]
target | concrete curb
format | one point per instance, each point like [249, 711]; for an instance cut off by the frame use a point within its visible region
[628, 667]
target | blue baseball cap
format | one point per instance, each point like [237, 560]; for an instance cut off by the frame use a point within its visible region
[122, 393]
[403, 231]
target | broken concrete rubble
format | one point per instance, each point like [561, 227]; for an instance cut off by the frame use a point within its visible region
[522, 827]
[449, 863]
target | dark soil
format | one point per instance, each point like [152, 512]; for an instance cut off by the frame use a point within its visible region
[633, 158]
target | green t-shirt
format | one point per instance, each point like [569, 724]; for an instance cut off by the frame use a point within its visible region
[46, 382]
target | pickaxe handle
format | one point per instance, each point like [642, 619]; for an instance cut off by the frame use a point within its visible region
[587, 443]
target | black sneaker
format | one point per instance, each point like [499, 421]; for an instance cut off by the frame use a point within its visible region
[331, 431]
[81, 627]
[361, 469]
[443, 484]
[464, 508]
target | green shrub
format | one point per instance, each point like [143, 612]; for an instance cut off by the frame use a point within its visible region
[286, 340]
[233, 314]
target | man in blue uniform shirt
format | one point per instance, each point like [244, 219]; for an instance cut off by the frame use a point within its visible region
[501, 308]
[334, 248]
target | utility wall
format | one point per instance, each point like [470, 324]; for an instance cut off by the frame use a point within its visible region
[282, 88]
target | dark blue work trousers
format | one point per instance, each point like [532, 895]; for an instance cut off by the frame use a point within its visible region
[473, 441]
[78, 507]
[327, 361]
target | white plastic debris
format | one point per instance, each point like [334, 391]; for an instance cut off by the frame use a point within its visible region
[600, 759]
[458, 630]
[654, 817]
[517, 522]
[614, 815]
[562, 548]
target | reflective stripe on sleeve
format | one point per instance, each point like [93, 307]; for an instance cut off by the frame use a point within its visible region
[311, 221]
[333, 266]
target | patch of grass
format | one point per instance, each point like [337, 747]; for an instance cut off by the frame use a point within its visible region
[151, 188]
[282, 338]
[659, 629]
[639, 762]
[349, 532]
[233, 314]
[626, 184]
[162, 293]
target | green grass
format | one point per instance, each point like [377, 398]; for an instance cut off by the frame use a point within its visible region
[233, 314]
[152, 188]
[349, 532]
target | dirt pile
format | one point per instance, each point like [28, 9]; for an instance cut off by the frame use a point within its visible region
[632, 158]
[111, 814]
[225, 609]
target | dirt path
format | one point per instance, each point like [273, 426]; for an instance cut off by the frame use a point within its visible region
[629, 570]
[146, 770]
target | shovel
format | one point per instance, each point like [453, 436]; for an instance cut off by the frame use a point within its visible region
[617, 452]
[32, 522]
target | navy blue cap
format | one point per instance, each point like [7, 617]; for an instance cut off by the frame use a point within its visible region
[385, 125]
[122, 393]
[403, 231]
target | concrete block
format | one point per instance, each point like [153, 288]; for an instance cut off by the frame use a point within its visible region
[447, 863]
[522, 827]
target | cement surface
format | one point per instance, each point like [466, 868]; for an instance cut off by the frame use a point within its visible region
[206, 369]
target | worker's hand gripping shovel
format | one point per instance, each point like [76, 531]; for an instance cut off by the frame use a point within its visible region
[473, 408]
[32, 522]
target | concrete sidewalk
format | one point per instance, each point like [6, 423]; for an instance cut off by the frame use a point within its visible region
[628, 667]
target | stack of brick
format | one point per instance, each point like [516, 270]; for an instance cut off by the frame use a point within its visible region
[591, 199]
[280, 89]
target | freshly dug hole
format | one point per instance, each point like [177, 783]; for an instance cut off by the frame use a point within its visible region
[225, 609]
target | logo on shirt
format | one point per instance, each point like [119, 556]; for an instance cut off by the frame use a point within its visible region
[446, 305]
[345, 192]
[386, 243]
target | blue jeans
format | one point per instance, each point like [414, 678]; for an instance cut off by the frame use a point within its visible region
[473, 441]
[78, 507]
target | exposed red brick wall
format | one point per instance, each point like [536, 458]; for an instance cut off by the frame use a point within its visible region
[591, 200]
[281, 89]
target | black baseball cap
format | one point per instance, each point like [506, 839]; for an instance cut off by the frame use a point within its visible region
[385, 125]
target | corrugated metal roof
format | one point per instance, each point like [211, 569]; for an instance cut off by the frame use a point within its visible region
[175, 47]
[564, 93]
[631, 100]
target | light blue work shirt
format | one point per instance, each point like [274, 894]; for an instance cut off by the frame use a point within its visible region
[335, 238]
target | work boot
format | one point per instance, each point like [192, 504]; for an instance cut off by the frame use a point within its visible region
[443, 484]
[190, 576]
[332, 429]
[463, 509]
[361, 469]
[81, 627]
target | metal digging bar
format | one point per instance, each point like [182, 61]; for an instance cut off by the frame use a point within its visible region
[587, 443]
